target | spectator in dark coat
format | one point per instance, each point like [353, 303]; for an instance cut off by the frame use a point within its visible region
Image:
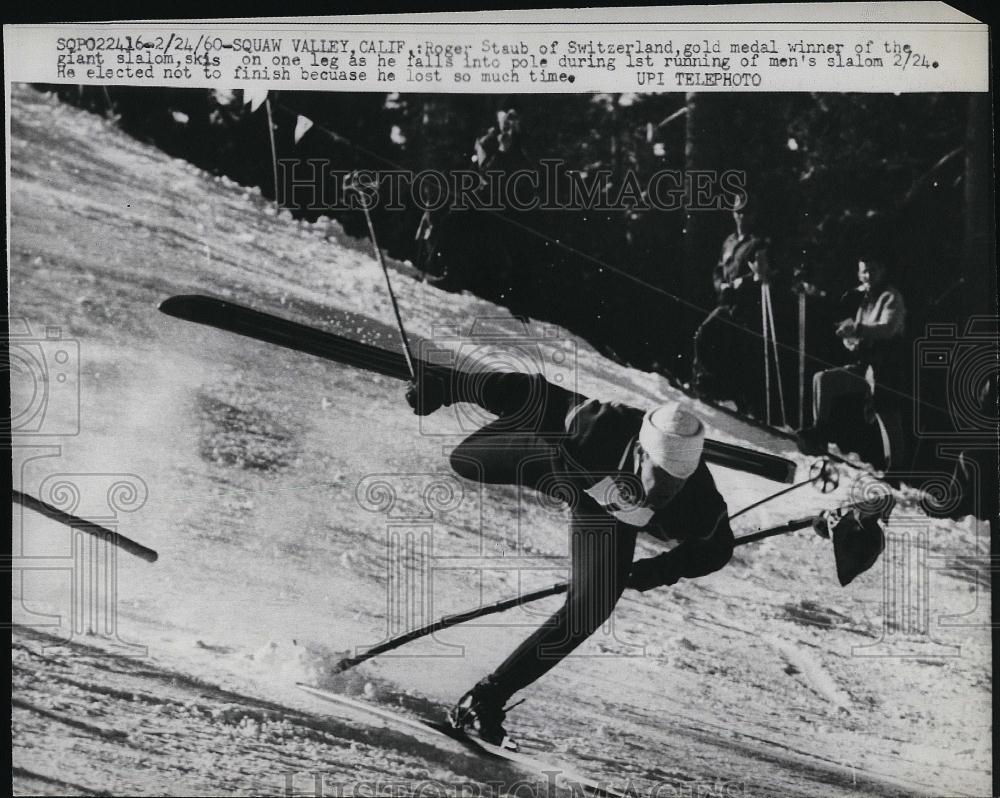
[726, 344]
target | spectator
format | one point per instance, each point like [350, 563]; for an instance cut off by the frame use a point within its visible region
[726, 342]
[465, 247]
[500, 148]
[427, 258]
[878, 321]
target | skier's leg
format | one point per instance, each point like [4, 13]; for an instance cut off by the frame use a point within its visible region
[601, 560]
[511, 450]
[601, 557]
[496, 456]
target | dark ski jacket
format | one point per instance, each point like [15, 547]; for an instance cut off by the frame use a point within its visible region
[734, 262]
[591, 440]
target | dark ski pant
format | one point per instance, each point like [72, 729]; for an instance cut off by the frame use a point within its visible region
[600, 549]
[728, 353]
[844, 407]
[832, 386]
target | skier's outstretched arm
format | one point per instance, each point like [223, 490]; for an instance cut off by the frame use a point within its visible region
[527, 399]
[690, 559]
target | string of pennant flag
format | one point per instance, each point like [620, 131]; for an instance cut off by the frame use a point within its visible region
[258, 97]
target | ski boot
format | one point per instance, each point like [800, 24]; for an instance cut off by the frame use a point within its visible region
[480, 712]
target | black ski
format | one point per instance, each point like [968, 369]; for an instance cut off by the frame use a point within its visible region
[289, 334]
[303, 338]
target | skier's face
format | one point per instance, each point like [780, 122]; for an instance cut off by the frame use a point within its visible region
[658, 486]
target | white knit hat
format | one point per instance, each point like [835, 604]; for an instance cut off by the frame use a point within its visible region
[674, 439]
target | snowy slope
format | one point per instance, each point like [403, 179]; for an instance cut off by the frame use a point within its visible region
[263, 466]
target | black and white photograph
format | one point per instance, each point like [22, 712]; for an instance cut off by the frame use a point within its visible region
[520, 440]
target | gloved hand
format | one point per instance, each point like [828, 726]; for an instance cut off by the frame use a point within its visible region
[428, 394]
[847, 328]
[649, 573]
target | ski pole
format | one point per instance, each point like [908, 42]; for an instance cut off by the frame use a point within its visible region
[781, 529]
[469, 615]
[72, 521]
[392, 294]
[782, 492]
[821, 470]
[446, 622]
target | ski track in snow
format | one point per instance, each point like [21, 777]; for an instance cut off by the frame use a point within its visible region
[757, 680]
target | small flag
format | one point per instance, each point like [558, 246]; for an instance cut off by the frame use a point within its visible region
[254, 97]
[302, 126]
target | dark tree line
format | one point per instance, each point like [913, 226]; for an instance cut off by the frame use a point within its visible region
[831, 172]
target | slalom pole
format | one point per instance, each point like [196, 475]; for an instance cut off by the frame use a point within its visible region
[469, 615]
[774, 349]
[74, 522]
[392, 294]
[274, 151]
[802, 359]
[767, 364]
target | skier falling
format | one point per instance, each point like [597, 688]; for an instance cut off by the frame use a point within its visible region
[627, 471]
